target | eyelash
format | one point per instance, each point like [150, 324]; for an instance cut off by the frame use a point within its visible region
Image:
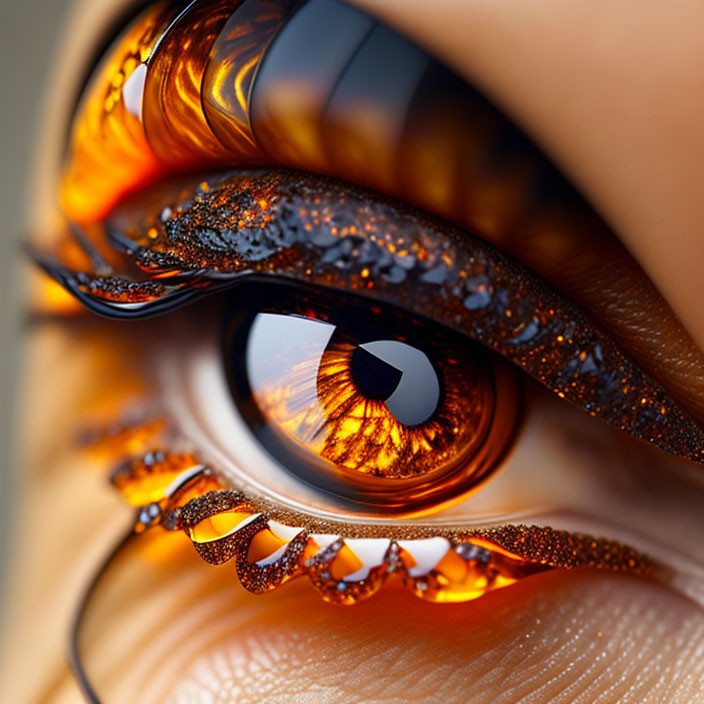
[285, 224]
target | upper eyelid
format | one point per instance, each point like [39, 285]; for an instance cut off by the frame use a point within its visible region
[428, 267]
[574, 216]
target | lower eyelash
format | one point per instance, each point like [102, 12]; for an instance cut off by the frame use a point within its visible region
[346, 562]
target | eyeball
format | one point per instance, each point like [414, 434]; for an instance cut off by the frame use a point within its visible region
[365, 404]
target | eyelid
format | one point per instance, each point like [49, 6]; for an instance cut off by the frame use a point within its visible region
[224, 524]
[317, 231]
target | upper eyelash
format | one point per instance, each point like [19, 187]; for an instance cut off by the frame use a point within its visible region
[289, 225]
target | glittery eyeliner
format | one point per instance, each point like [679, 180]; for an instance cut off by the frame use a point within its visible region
[348, 562]
[189, 240]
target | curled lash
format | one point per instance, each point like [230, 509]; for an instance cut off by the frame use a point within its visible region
[347, 563]
[319, 231]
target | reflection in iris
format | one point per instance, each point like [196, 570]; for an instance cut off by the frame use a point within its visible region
[367, 407]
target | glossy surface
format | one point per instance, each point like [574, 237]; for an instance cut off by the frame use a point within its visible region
[368, 405]
[108, 148]
[387, 137]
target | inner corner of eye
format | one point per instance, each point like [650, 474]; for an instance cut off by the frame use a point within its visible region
[367, 403]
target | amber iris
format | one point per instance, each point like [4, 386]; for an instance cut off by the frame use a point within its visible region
[365, 404]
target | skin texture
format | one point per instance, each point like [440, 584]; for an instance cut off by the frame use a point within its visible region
[171, 629]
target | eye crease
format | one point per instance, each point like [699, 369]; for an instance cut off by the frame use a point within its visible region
[377, 352]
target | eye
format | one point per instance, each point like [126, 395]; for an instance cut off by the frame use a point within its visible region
[368, 404]
[369, 358]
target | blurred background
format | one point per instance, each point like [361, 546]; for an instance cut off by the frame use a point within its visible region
[29, 32]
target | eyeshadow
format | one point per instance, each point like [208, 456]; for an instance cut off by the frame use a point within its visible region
[317, 231]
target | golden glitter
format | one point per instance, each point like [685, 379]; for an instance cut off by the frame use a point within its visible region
[271, 546]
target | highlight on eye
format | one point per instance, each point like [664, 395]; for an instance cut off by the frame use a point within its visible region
[368, 404]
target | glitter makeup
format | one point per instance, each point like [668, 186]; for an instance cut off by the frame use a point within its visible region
[317, 231]
[345, 563]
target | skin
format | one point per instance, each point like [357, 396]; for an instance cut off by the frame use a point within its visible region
[172, 629]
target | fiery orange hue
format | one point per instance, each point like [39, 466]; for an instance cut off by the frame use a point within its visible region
[108, 152]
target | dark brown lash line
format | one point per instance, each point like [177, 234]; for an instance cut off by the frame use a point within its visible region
[193, 498]
[318, 231]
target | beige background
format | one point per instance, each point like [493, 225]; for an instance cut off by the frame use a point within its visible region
[29, 31]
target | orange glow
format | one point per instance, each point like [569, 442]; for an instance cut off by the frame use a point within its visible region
[174, 120]
[217, 526]
[161, 102]
[455, 578]
[345, 563]
[53, 299]
[362, 435]
[413, 430]
[145, 481]
[435, 566]
[109, 154]
[263, 545]
[234, 58]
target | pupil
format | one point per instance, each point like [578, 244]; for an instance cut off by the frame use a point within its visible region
[400, 375]
[374, 378]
